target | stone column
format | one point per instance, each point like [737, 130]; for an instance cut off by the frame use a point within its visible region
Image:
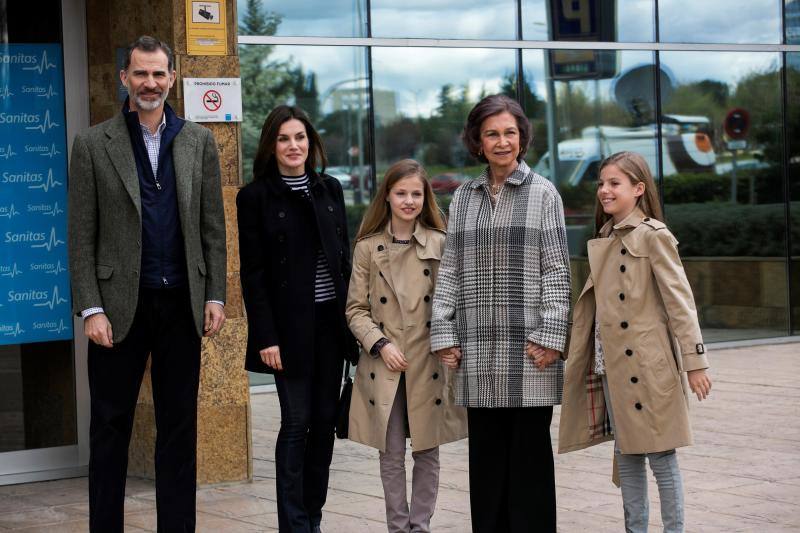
[224, 447]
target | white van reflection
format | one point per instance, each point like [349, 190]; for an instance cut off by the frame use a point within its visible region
[686, 147]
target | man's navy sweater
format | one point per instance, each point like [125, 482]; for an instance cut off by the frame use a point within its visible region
[163, 257]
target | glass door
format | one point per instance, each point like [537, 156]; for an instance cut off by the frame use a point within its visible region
[42, 412]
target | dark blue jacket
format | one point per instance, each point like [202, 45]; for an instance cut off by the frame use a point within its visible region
[163, 257]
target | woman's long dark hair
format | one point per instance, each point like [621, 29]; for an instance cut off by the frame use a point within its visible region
[265, 165]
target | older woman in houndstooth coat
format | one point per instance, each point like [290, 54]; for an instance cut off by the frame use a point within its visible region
[500, 314]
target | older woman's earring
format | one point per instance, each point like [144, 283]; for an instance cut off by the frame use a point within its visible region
[480, 151]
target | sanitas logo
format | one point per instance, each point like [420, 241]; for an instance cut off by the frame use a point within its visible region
[8, 212]
[22, 177]
[48, 268]
[45, 209]
[11, 330]
[10, 271]
[41, 65]
[42, 149]
[17, 59]
[26, 236]
[7, 152]
[46, 92]
[48, 184]
[20, 118]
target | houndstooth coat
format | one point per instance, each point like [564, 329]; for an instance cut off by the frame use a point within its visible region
[504, 279]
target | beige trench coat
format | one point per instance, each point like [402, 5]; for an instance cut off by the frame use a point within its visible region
[390, 296]
[650, 334]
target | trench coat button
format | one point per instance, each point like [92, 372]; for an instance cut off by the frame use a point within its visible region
[622, 268]
[380, 247]
[623, 251]
[380, 274]
[426, 272]
[428, 324]
[624, 325]
[622, 296]
[646, 219]
[383, 299]
[281, 214]
[427, 298]
[629, 352]
[372, 402]
[372, 375]
[330, 208]
[381, 326]
[438, 401]
[634, 379]
[435, 375]
[638, 406]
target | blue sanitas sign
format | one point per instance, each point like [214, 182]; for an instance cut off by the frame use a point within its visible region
[34, 281]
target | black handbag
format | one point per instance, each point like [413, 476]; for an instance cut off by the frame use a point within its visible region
[343, 409]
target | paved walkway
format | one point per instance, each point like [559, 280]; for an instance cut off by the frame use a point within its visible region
[743, 474]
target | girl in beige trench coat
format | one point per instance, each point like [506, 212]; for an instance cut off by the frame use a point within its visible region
[401, 389]
[635, 334]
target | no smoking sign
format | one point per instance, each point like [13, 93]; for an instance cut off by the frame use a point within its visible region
[212, 99]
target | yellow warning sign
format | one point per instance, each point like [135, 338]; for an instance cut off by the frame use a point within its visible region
[206, 28]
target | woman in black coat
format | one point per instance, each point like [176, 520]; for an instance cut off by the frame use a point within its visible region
[295, 266]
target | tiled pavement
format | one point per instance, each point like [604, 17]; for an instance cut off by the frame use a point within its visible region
[743, 474]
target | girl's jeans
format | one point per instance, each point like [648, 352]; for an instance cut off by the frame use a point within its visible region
[633, 482]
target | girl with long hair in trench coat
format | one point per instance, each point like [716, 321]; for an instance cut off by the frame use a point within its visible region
[401, 388]
[635, 341]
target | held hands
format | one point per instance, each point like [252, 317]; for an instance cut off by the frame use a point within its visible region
[451, 357]
[700, 383]
[98, 329]
[272, 357]
[214, 317]
[394, 358]
[542, 357]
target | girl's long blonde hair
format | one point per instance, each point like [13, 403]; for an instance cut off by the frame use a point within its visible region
[635, 167]
[379, 213]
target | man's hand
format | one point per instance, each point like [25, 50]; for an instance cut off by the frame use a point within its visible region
[451, 357]
[214, 318]
[98, 329]
[272, 357]
[542, 357]
[393, 358]
[700, 383]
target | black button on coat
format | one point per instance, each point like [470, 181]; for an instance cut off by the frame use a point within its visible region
[283, 314]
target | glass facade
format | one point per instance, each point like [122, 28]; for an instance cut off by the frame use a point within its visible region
[720, 128]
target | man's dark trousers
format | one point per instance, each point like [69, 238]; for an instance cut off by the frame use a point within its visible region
[163, 326]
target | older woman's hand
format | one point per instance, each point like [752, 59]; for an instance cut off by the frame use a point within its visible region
[542, 357]
[272, 357]
[451, 357]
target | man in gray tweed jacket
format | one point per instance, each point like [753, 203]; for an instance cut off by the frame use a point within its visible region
[147, 260]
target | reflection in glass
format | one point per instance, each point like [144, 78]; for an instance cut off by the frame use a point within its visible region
[720, 21]
[37, 396]
[729, 218]
[330, 84]
[792, 25]
[590, 104]
[422, 98]
[448, 19]
[589, 20]
[316, 18]
[793, 174]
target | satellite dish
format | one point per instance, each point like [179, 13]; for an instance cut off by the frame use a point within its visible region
[633, 90]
